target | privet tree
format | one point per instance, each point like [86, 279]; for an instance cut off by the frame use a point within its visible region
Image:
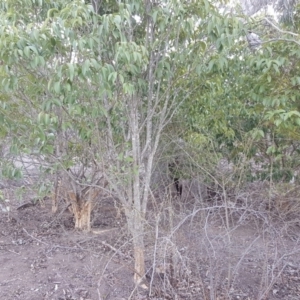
[92, 87]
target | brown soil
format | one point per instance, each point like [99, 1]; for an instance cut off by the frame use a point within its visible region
[42, 257]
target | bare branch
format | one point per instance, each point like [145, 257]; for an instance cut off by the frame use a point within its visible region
[283, 40]
[280, 30]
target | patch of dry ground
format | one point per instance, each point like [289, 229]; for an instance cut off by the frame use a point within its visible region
[42, 257]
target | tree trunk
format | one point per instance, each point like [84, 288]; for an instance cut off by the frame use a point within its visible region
[136, 228]
[81, 208]
[81, 211]
[139, 261]
[55, 194]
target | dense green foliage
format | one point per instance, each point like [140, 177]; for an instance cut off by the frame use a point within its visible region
[60, 60]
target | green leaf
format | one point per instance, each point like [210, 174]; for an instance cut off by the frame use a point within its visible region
[27, 51]
[275, 66]
[112, 76]
[56, 87]
[271, 150]
[85, 67]
[154, 15]
[71, 71]
[57, 102]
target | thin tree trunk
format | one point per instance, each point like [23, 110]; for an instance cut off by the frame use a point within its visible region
[55, 194]
[139, 259]
[136, 228]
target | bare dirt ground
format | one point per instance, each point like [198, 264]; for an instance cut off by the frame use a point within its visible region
[193, 256]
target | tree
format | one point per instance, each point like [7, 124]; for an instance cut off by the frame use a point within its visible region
[254, 100]
[94, 91]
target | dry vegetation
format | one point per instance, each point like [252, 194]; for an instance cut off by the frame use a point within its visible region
[244, 244]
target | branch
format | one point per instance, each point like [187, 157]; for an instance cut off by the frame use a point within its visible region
[280, 30]
[283, 40]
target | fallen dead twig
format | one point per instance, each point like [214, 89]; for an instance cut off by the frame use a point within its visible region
[113, 249]
[104, 230]
[26, 205]
[40, 241]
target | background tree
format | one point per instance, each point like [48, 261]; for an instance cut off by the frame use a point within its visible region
[246, 107]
